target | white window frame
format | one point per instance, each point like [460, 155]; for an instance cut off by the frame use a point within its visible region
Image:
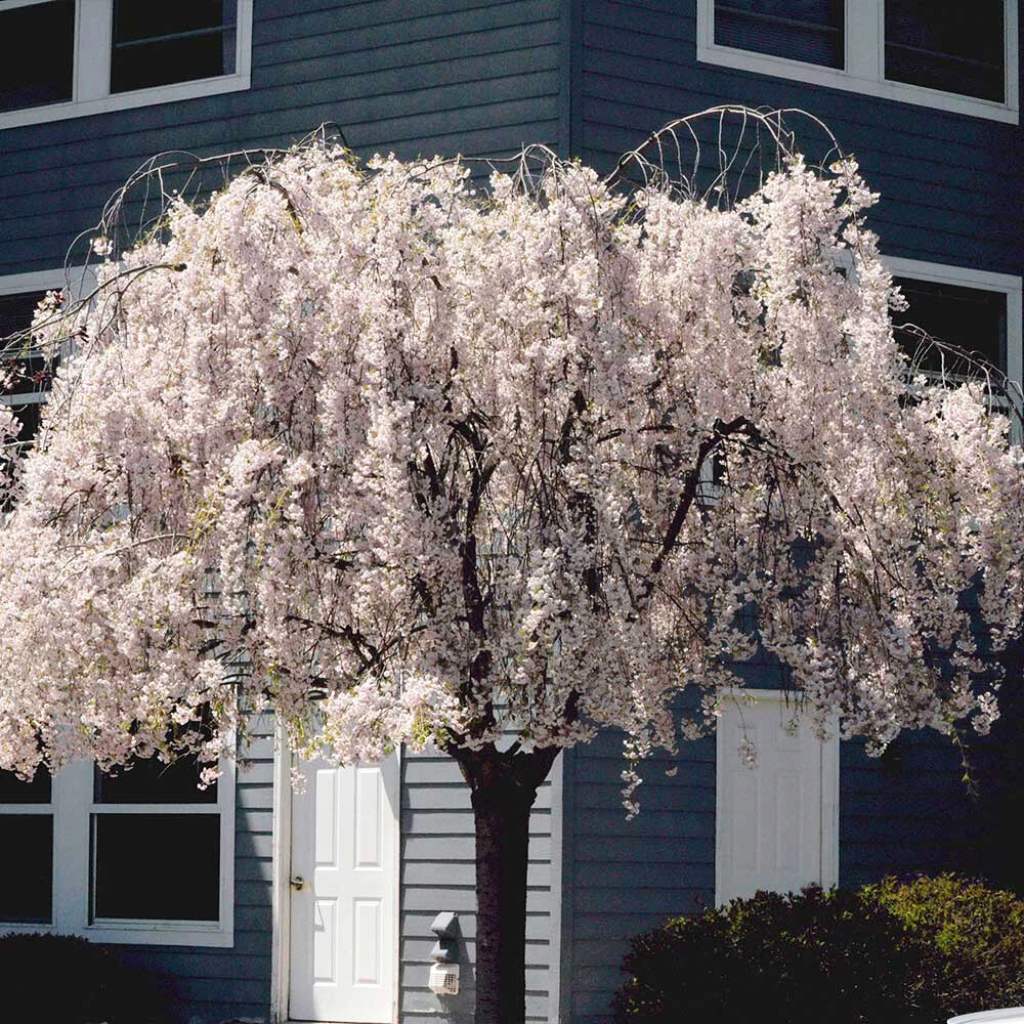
[863, 70]
[73, 806]
[94, 20]
[828, 839]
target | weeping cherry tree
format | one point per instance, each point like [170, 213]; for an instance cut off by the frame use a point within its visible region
[409, 458]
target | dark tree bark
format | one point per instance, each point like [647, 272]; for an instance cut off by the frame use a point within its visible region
[504, 788]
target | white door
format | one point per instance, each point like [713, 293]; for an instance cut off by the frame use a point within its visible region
[344, 911]
[777, 823]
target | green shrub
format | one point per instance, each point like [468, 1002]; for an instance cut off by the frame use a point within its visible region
[57, 979]
[975, 936]
[808, 958]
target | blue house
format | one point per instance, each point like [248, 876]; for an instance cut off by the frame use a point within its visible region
[255, 903]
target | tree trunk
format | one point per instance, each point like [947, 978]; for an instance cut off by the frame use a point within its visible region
[503, 793]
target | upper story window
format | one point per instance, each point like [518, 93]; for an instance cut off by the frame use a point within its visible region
[940, 53]
[67, 58]
[159, 44]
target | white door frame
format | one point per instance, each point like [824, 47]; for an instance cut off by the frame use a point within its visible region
[281, 872]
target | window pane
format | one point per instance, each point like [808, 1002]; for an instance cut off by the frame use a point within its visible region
[807, 30]
[36, 54]
[23, 372]
[158, 44]
[948, 45]
[157, 866]
[26, 868]
[152, 782]
[14, 791]
[970, 318]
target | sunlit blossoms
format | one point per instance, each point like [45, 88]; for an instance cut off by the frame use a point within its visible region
[439, 464]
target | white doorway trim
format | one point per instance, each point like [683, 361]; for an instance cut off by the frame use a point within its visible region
[281, 849]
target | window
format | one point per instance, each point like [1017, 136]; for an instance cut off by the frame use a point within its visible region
[977, 311]
[777, 824]
[143, 856]
[972, 319]
[26, 854]
[66, 58]
[940, 53]
[24, 373]
[159, 44]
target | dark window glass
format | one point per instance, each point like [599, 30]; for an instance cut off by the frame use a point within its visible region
[972, 319]
[37, 54]
[948, 45]
[14, 791]
[150, 781]
[24, 374]
[160, 43]
[26, 868]
[807, 30]
[156, 866]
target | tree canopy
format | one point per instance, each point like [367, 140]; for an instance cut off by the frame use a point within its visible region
[408, 458]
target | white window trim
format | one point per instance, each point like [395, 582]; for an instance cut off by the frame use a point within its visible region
[72, 807]
[828, 851]
[864, 67]
[91, 77]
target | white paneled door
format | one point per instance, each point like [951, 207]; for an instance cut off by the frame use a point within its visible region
[344, 902]
[776, 822]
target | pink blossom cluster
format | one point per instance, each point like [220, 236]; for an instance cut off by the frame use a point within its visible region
[406, 462]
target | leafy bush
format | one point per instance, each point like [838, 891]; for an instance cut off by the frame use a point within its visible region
[893, 953]
[975, 936]
[57, 979]
[798, 959]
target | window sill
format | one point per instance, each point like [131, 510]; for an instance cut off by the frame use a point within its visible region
[834, 78]
[130, 933]
[125, 101]
[159, 933]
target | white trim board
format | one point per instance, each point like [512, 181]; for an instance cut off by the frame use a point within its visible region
[91, 73]
[864, 68]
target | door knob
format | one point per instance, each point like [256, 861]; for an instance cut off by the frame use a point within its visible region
[298, 882]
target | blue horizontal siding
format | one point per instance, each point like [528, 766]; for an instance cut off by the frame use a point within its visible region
[437, 77]
[950, 184]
